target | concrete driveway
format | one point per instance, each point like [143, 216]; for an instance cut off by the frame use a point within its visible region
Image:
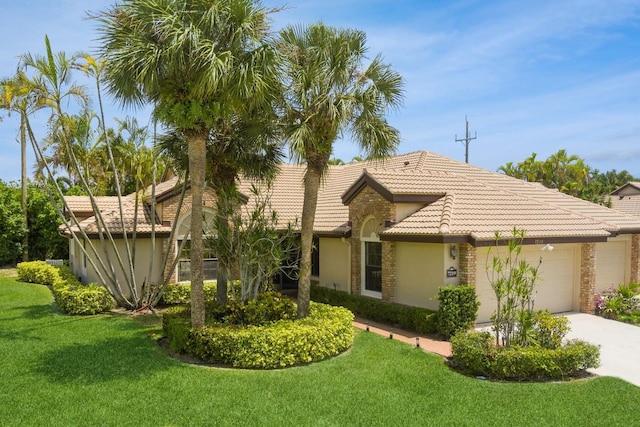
[619, 344]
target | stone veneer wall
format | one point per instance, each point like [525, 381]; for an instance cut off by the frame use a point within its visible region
[169, 208]
[368, 202]
[587, 277]
[468, 261]
[635, 258]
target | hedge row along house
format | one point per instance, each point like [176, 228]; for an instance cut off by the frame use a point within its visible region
[398, 229]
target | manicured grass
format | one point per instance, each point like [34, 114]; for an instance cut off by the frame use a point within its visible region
[107, 370]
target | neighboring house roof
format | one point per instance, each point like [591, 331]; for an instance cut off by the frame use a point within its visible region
[627, 204]
[453, 201]
[631, 188]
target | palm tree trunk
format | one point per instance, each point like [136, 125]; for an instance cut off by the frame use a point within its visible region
[311, 186]
[197, 164]
[23, 179]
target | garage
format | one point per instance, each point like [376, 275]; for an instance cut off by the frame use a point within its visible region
[611, 263]
[555, 289]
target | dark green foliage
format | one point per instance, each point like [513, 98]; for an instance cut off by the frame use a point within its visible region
[458, 309]
[413, 319]
[266, 308]
[11, 232]
[44, 239]
[474, 353]
[180, 293]
[326, 332]
[71, 296]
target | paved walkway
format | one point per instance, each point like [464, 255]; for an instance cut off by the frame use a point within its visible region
[431, 345]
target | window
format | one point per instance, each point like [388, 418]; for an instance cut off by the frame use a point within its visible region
[371, 258]
[373, 266]
[184, 264]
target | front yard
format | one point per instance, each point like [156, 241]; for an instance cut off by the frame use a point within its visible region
[108, 370]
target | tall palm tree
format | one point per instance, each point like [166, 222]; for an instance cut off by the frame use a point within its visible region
[17, 95]
[329, 92]
[245, 146]
[197, 62]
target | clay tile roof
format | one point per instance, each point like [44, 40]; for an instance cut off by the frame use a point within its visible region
[450, 199]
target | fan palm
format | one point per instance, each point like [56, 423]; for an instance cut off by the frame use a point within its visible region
[197, 62]
[328, 93]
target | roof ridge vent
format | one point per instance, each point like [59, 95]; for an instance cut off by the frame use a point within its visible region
[447, 213]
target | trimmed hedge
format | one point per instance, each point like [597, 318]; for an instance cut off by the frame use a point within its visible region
[180, 293]
[71, 296]
[458, 309]
[326, 332]
[414, 319]
[474, 353]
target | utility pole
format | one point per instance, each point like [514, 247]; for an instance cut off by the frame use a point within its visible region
[466, 140]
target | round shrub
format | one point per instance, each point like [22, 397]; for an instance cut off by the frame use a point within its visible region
[326, 332]
[475, 354]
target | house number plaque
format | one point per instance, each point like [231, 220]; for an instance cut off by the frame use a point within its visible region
[452, 272]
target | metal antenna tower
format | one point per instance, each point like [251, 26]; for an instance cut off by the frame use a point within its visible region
[466, 140]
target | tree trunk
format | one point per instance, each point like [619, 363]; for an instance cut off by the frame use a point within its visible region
[23, 179]
[311, 186]
[197, 165]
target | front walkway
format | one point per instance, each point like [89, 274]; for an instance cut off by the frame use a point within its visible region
[431, 345]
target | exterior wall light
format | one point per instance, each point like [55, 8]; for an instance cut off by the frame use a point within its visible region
[453, 251]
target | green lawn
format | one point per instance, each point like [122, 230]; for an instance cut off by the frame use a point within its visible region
[107, 370]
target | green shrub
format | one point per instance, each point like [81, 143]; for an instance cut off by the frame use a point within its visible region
[180, 293]
[474, 353]
[415, 319]
[176, 324]
[267, 307]
[326, 332]
[458, 309]
[90, 299]
[71, 296]
[549, 330]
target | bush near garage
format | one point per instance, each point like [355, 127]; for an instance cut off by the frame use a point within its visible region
[415, 319]
[621, 303]
[71, 296]
[326, 332]
[458, 309]
[474, 353]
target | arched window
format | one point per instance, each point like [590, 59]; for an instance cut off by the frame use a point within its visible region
[371, 258]
[209, 258]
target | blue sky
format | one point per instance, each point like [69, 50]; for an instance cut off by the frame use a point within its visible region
[530, 76]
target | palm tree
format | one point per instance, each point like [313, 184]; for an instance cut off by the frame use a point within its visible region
[244, 146]
[328, 93]
[197, 62]
[17, 95]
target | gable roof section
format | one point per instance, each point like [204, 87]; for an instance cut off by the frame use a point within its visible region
[631, 188]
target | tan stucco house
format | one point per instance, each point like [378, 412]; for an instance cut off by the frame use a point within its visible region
[399, 229]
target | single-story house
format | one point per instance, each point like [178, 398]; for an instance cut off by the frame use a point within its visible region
[398, 229]
[627, 198]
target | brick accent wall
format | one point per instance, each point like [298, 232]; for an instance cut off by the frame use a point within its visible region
[635, 258]
[389, 271]
[370, 203]
[169, 208]
[468, 262]
[587, 277]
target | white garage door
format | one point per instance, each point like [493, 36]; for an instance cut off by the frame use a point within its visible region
[554, 289]
[610, 264]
